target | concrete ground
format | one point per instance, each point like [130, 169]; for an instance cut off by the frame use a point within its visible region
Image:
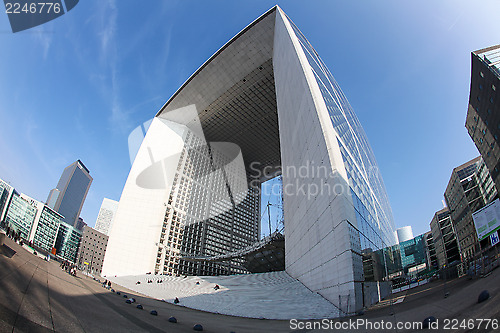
[37, 296]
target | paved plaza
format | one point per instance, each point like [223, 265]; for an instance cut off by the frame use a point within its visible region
[37, 296]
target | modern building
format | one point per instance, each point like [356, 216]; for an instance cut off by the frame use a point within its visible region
[443, 235]
[263, 105]
[414, 254]
[404, 234]
[69, 195]
[5, 194]
[91, 251]
[431, 250]
[80, 224]
[67, 242]
[405, 259]
[21, 215]
[35, 222]
[483, 115]
[106, 214]
[44, 234]
[470, 188]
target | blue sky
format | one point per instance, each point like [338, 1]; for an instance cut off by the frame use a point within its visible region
[74, 88]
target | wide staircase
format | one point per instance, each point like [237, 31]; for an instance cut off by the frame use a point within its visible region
[273, 295]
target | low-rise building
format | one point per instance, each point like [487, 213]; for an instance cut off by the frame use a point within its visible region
[20, 215]
[67, 242]
[92, 250]
[5, 194]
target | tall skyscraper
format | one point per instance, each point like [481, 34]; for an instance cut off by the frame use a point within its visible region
[263, 105]
[483, 115]
[106, 215]
[470, 188]
[69, 195]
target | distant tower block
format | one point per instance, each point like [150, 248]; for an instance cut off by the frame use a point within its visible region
[404, 234]
[68, 197]
[106, 215]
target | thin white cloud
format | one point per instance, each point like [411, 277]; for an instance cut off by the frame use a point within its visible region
[44, 38]
[32, 138]
[109, 62]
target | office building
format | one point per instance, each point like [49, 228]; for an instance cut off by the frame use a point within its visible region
[483, 115]
[80, 224]
[404, 234]
[443, 235]
[92, 250]
[263, 105]
[33, 220]
[470, 188]
[44, 234]
[67, 242]
[21, 215]
[5, 194]
[413, 254]
[106, 214]
[69, 195]
[431, 250]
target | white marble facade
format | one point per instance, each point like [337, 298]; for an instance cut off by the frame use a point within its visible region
[323, 249]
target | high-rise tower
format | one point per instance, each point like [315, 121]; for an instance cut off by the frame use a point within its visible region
[69, 195]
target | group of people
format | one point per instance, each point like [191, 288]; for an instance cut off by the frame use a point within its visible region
[106, 284]
[15, 235]
[68, 267]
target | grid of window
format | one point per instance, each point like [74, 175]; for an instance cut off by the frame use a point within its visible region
[46, 231]
[20, 216]
[202, 217]
[374, 215]
[67, 242]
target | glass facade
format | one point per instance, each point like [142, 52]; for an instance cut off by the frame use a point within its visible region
[396, 260]
[375, 224]
[20, 216]
[46, 230]
[67, 242]
[470, 188]
[4, 196]
[413, 252]
[71, 191]
[74, 196]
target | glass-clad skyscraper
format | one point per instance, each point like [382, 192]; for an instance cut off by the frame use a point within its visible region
[69, 195]
[263, 105]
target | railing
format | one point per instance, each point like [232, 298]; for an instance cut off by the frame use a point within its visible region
[235, 254]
